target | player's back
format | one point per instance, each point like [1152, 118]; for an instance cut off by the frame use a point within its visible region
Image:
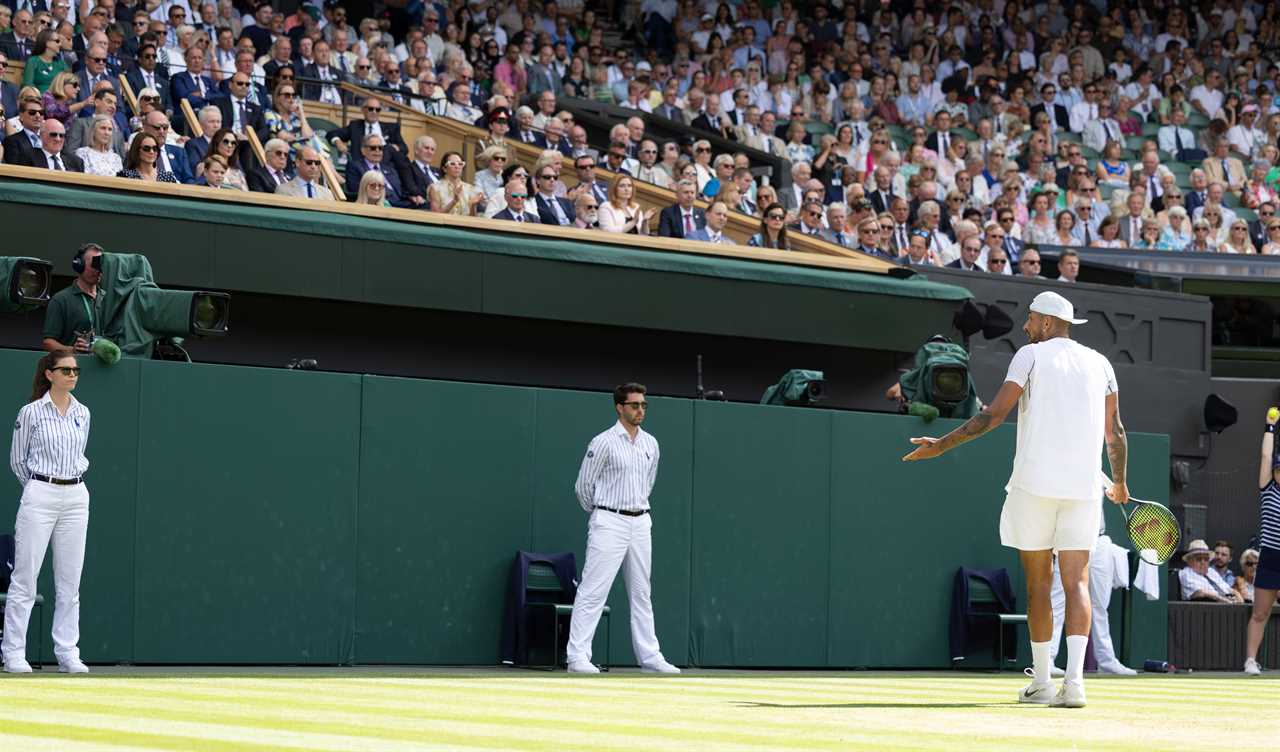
[1061, 418]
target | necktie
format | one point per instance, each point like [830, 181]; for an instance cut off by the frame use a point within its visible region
[150, 79]
[35, 140]
[1154, 190]
[942, 143]
[1088, 240]
[840, 238]
[244, 114]
[688, 223]
[57, 163]
[1008, 247]
[520, 217]
[1177, 138]
[561, 217]
[1226, 171]
[1135, 230]
[902, 236]
[278, 177]
[199, 84]
[310, 193]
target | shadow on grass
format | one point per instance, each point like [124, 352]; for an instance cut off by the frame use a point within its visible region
[882, 705]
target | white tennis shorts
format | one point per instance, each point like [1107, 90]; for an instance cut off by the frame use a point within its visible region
[1036, 523]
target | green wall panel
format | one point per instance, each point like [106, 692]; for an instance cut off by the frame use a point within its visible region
[246, 515]
[445, 502]
[760, 536]
[566, 423]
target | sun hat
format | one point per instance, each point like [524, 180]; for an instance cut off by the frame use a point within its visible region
[1052, 304]
[1196, 548]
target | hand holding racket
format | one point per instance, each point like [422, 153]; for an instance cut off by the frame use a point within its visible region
[1152, 528]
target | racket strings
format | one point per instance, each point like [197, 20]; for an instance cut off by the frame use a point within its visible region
[1153, 527]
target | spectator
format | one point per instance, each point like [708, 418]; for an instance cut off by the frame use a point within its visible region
[193, 85]
[1221, 562]
[810, 222]
[287, 120]
[622, 213]
[970, 249]
[451, 194]
[143, 163]
[1199, 582]
[584, 166]
[1029, 264]
[773, 229]
[1237, 241]
[1224, 168]
[551, 209]
[1243, 584]
[516, 193]
[1109, 231]
[1177, 235]
[46, 61]
[372, 190]
[1068, 266]
[276, 171]
[225, 144]
[60, 101]
[212, 169]
[1177, 141]
[869, 238]
[682, 219]
[586, 211]
[1202, 238]
[307, 183]
[717, 218]
[998, 262]
[419, 169]
[489, 180]
[197, 147]
[99, 156]
[835, 231]
[648, 169]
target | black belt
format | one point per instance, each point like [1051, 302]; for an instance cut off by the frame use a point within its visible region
[624, 512]
[58, 481]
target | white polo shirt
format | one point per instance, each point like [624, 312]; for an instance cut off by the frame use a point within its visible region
[1061, 419]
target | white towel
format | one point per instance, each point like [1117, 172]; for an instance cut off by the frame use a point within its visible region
[1148, 578]
[1119, 557]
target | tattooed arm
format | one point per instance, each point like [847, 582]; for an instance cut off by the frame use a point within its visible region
[990, 417]
[1117, 450]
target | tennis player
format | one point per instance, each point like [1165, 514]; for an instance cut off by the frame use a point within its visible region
[1266, 580]
[48, 458]
[1068, 402]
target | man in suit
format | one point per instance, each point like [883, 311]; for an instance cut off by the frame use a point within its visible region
[710, 119]
[172, 157]
[104, 103]
[682, 219]
[307, 183]
[1224, 168]
[324, 70]
[94, 71]
[542, 74]
[836, 232]
[713, 232]
[421, 172]
[197, 148]
[669, 109]
[19, 147]
[145, 75]
[8, 92]
[792, 197]
[1199, 193]
[869, 238]
[49, 156]
[239, 110]
[1258, 227]
[281, 56]
[373, 157]
[275, 172]
[357, 129]
[810, 223]
[524, 132]
[516, 194]
[765, 140]
[191, 85]
[880, 197]
[18, 41]
[554, 138]
[970, 249]
[1131, 222]
[551, 209]
[1060, 116]
[585, 166]
[254, 92]
[940, 140]
[1176, 139]
[579, 147]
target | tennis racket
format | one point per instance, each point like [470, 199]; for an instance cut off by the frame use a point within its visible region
[1152, 528]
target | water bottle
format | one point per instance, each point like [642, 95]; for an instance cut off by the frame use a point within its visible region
[1156, 667]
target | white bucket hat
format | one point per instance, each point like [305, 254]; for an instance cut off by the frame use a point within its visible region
[1053, 304]
[1197, 547]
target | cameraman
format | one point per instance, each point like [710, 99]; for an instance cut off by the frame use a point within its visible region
[70, 320]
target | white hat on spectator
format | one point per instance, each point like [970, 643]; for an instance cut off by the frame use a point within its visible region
[1052, 304]
[1196, 547]
[643, 65]
[708, 17]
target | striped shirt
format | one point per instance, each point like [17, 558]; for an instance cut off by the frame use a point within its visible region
[1193, 582]
[618, 473]
[1269, 498]
[49, 443]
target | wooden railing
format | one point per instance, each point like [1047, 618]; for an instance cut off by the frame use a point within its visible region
[511, 230]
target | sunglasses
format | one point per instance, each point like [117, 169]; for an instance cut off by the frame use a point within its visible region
[148, 149]
[373, 109]
[149, 98]
[67, 370]
[997, 262]
[370, 148]
[33, 112]
[702, 150]
[1030, 262]
[239, 83]
[311, 162]
[56, 135]
[519, 195]
[777, 216]
[98, 59]
[456, 164]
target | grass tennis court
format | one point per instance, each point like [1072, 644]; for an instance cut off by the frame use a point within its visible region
[497, 709]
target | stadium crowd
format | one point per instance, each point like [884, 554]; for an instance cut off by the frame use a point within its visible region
[960, 134]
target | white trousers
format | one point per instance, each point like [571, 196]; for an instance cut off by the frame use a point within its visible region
[615, 540]
[1100, 581]
[60, 514]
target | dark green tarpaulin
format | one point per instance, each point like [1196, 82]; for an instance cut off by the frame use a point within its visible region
[347, 226]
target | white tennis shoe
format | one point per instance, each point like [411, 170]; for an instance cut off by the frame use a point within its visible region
[73, 666]
[1039, 693]
[659, 666]
[1251, 667]
[583, 667]
[1056, 672]
[19, 666]
[1070, 696]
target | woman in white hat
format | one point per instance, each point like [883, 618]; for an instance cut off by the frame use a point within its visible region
[1266, 578]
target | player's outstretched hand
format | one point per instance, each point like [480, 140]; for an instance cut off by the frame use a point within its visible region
[926, 448]
[1118, 493]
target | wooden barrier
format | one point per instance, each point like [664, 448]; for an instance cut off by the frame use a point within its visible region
[1210, 636]
[193, 124]
[857, 263]
[130, 97]
[331, 178]
[256, 145]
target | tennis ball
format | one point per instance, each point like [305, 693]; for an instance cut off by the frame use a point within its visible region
[1273, 414]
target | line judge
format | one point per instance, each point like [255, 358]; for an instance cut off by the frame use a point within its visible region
[48, 458]
[613, 486]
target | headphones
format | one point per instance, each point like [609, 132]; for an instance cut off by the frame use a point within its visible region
[77, 261]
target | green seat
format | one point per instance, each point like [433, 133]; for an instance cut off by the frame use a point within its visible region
[320, 124]
[897, 130]
[543, 592]
[1134, 143]
[1245, 213]
[1231, 200]
[983, 603]
[1179, 168]
[817, 128]
[965, 133]
[39, 604]
[901, 142]
[1196, 121]
[1068, 136]
[1150, 130]
[1106, 191]
[1091, 154]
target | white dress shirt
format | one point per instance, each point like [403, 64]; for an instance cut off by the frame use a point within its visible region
[47, 442]
[618, 472]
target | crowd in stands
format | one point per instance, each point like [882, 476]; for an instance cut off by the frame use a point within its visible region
[958, 134]
[1207, 575]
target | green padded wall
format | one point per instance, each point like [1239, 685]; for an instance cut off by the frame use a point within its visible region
[246, 515]
[246, 503]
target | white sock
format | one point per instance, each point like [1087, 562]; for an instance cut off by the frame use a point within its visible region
[1076, 647]
[1040, 661]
